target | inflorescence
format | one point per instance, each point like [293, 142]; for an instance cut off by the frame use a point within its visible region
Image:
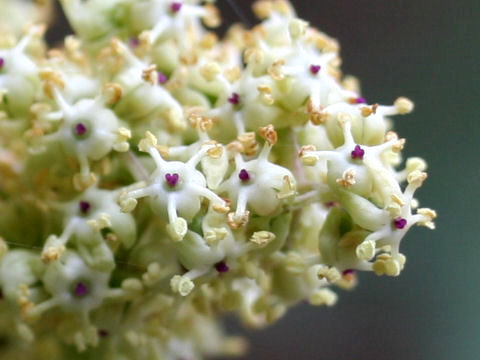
[154, 178]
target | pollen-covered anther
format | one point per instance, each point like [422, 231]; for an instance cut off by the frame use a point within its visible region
[102, 222]
[262, 238]
[209, 41]
[113, 93]
[82, 181]
[347, 179]
[322, 297]
[181, 285]
[236, 221]
[269, 134]
[202, 123]
[177, 229]
[121, 144]
[221, 208]
[369, 110]
[213, 236]
[429, 215]
[399, 145]
[331, 274]
[52, 80]
[404, 105]
[366, 250]
[249, 143]
[216, 151]
[275, 70]
[297, 28]
[212, 18]
[263, 9]
[266, 95]
[147, 142]
[233, 74]
[288, 188]
[210, 71]
[416, 178]
[307, 155]
[127, 204]
[150, 74]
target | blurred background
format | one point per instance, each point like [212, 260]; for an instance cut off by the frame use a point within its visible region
[428, 51]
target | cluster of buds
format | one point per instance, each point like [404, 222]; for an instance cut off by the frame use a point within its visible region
[154, 178]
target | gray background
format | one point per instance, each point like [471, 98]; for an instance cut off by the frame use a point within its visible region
[426, 50]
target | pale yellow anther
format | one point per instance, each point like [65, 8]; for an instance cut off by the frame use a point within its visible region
[216, 151]
[237, 221]
[181, 285]
[262, 238]
[295, 263]
[366, 250]
[209, 41]
[221, 208]
[398, 200]
[82, 181]
[331, 274]
[175, 120]
[275, 70]
[121, 144]
[103, 222]
[210, 71]
[288, 188]
[262, 9]
[432, 214]
[254, 55]
[297, 28]
[369, 110]
[52, 253]
[269, 134]
[416, 178]
[416, 163]
[177, 229]
[323, 297]
[127, 204]
[392, 267]
[391, 135]
[307, 155]
[403, 105]
[3, 248]
[132, 286]
[147, 142]
[212, 18]
[113, 93]
[399, 145]
[213, 236]
[249, 143]
[347, 179]
[233, 74]
[150, 74]
[379, 267]
[202, 123]
[283, 7]
[351, 83]
[265, 95]
[153, 275]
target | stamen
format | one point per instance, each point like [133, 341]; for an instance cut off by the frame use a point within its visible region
[358, 153]
[81, 289]
[400, 223]
[244, 175]
[234, 99]
[84, 206]
[175, 7]
[314, 69]
[222, 267]
[172, 179]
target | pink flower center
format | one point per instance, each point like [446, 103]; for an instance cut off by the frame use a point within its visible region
[81, 289]
[314, 69]
[221, 267]
[175, 7]
[172, 179]
[234, 99]
[400, 223]
[244, 175]
[358, 153]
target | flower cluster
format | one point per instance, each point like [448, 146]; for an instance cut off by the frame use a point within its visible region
[154, 178]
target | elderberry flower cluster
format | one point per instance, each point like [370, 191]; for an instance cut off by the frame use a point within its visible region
[154, 178]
